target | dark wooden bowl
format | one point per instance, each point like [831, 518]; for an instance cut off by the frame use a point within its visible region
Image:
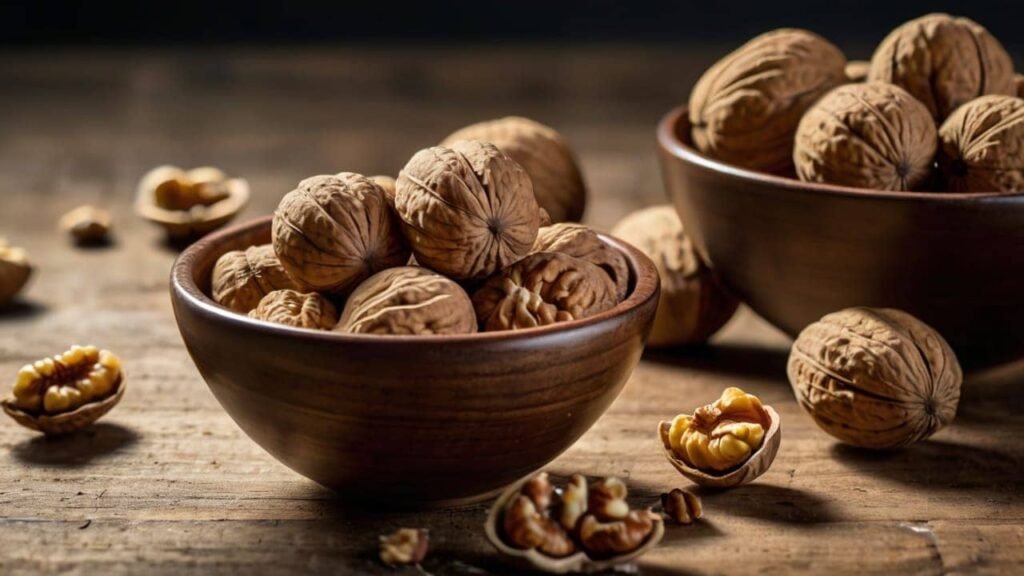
[795, 251]
[412, 421]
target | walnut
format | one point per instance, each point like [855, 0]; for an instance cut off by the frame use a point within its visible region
[744, 110]
[943, 61]
[545, 155]
[857, 70]
[607, 499]
[526, 527]
[541, 289]
[404, 546]
[66, 392]
[617, 536]
[15, 271]
[241, 278]
[468, 210]
[581, 242]
[875, 377]
[870, 135]
[408, 300]
[387, 184]
[538, 489]
[333, 232]
[87, 225]
[692, 304]
[981, 146]
[682, 506]
[575, 501]
[294, 308]
[190, 203]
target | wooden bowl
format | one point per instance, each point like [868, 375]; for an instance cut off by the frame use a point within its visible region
[795, 251]
[409, 420]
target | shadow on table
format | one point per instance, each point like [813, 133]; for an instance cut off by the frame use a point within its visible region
[729, 359]
[76, 449]
[22, 309]
[770, 503]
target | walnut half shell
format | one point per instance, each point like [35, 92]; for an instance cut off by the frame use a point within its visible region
[189, 203]
[15, 271]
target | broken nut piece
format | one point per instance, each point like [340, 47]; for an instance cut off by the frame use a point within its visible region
[87, 224]
[618, 536]
[607, 499]
[404, 546]
[15, 270]
[526, 527]
[682, 506]
[575, 500]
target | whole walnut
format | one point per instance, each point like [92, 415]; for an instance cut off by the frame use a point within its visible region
[581, 242]
[15, 270]
[333, 232]
[468, 211]
[241, 278]
[875, 377]
[408, 300]
[872, 135]
[297, 309]
[692, 305]
[943, 61]
[387, 184]
[541, 289]
[744, 110]
[981, 146]
[545, 155]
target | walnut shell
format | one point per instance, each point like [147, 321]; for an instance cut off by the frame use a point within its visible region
[745, 109]
[15, 271]
[692, 305]
[210, 204]
[581, 242]
[387, 184]
[981, 146]
[468, 211]
[875, 377]
[293, 308]
[408, 300]
[870, 135]
[545, 155]
[541, 289]
[241, 278]
[333, 232]
[943, 61]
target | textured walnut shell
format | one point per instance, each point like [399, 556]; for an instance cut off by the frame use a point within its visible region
[333, 232]
[981, 146]
[408, 300]
[468, 211]
[387, 184]
[745, 109]
[66, 422]
[87, 224]
[875, 377]
[692, 305]
[541, 289]
[871, 135]
[581, 242]
[545, 155]
[15, 271]
[943, 61]
[199, 219]
[241, 278]
[297, 309]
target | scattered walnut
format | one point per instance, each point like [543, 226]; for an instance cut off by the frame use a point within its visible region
[575, 501]
[408, 300]
[387, 184]
[541, 289]
[617, 536]
[682, 506]
[857, 70]
[468, 210]
[982, 146]
[871, 135]
[241, 278]
[333, 232]
[875, 377]
[744, 110]
[15, 271]
[607, 499]
[296, 309]
[526, 527]
[721, 435]
[943, 61]
[404, 546]
[189, 203]
[87, 224]
[581, 242]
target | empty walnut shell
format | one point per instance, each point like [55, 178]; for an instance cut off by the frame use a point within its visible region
[981, 146]
[581, 242]
[870, 135]
[745, 109]
[408, 300]
[544, 154]
[15, 271]
[468, 211]
[293, 308]
[216, 203]
[943, 61]
[241, 278]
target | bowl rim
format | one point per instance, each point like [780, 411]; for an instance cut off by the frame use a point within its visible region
[671, 143]
[645, 290]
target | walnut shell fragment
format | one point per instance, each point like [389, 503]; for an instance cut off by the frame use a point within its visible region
[982, 146]
[190, 203]
[293, 308]
[87, 225]
[745, 109]
[408, 300]
[15, 270]
[581, 242]
[241, 278]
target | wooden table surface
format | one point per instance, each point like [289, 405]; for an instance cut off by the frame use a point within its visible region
[168, 484]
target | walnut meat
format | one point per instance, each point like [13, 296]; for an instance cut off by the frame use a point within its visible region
[190, 203]
[241, 278]
[15, 271]
[581, 242]
[981, 146]
[404, 546]
[943, 61]
[870, 135]
[682, 506]
[875, 377]
[333, 232]
[692, 305]
[527, 527]
[544, 154]
[745, 109]
[721, 435]
[603, 539]
[294, 308]
[87, 225]
[408, 300]
[541, 289]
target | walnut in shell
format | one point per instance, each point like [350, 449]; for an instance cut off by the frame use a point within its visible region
[15, 271]
[408, 300]
[87, 225]
[545, 155]
[581, 242]
[190, 203]
[468, 211]
[944, 61]
[541, 289]
[293, 308]
[875, 377]
[981, 146]
[241, 278]
[869, 135]
[333, 232]
[745, 109]
[387, 184]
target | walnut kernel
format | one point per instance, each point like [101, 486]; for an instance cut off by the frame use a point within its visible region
[581, 242]
[527, 527]
[408, 300]
[296, 309]
[617, 536]
[241, 278]
[721, 435]
[404, 546]
[682, 506]
[87, 224]
[15, 271]
[190, 203]
[981, 146]
[607, 499]
[575, 501]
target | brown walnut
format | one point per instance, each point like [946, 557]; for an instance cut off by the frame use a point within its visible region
[527, 527]
[870, 135]
[296, 309]
[241, 278]
[981, 146]
[408, 300]
[15, 271]
[943, 61]
[87, 225]
[404, 546]
[682, 506]
[190, 203]
[581, 242]
[604, 539]
[387, 184]
[745, 109]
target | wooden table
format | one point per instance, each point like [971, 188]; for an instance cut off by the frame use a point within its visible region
[168, 484]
